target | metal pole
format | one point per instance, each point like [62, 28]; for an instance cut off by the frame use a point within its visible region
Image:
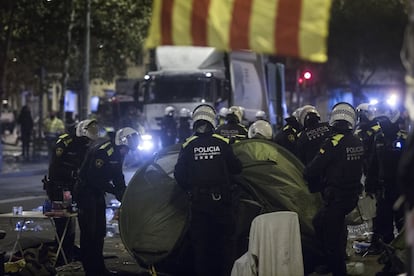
[85, 95]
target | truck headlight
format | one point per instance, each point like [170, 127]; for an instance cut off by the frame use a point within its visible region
[146, 143]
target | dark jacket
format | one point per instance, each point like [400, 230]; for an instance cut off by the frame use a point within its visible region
[204, 165]
[310, 141]
[385, 156]
[366, 131]
[233, 130]
[102, 170]
[25, 121]
[287, 137]
[339, 164]
[67, 157]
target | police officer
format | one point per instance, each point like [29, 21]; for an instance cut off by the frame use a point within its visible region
[184, 128]
[52, 128]
[67, 157]
[287, 137]
[203, 169]
[168, 127]
[366, 129]
[233, 128]
[100, 173]
[339, 162]
[381, 177]
[312, 136]
[222, 116]
[261, 129]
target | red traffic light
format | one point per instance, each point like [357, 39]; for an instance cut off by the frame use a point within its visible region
[300, 80]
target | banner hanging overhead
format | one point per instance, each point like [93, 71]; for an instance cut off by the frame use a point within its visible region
[293, 28]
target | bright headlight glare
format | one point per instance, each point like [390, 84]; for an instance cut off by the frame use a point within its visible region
[146, 145]
[146, 137]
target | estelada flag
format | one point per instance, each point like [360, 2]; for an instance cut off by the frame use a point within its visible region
[294, 28]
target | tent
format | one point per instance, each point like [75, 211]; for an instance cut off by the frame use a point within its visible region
[154, 211]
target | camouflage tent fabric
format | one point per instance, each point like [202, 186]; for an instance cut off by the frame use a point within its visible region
[155, 210]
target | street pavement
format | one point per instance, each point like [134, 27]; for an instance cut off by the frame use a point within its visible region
[117, 258]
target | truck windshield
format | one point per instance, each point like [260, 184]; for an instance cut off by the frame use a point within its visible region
[116, 114]
[179, 90]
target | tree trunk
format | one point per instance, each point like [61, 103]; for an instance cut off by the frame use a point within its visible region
[65, 71]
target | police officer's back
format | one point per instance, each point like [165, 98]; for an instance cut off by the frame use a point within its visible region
[233, 127]
[313, 134]
[339, 164]
[203, 169]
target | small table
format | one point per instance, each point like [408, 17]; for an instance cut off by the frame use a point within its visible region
[32, 215]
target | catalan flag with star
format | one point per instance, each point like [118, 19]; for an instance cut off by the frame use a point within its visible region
[292, 28]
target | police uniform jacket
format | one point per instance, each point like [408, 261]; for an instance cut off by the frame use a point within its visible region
[204, 165]
[366, 131]
[233, 130]
[310, 140]
[385, 156]
[102, 170]
[288, 136]
[339, 161]
[66, 160]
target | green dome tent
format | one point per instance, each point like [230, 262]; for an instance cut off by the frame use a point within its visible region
[154, 211]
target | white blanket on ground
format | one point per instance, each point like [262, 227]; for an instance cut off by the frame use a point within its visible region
[274, 247]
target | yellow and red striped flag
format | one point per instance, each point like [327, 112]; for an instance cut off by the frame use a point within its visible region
[294, 28]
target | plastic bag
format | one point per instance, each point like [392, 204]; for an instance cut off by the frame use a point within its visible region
[367, 207]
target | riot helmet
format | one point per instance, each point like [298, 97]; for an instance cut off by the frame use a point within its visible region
[261, 129]
[343, 112]
[308, 112]
[128, 137]
[223, 112]
[236, 113]
[169, 111]
[260, 115]
[88, 128]
[204, 112]
[363, 112]
[185, 113]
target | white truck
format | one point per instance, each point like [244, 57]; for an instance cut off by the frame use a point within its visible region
[187, 76]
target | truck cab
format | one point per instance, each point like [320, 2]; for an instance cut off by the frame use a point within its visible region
[180, 89]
